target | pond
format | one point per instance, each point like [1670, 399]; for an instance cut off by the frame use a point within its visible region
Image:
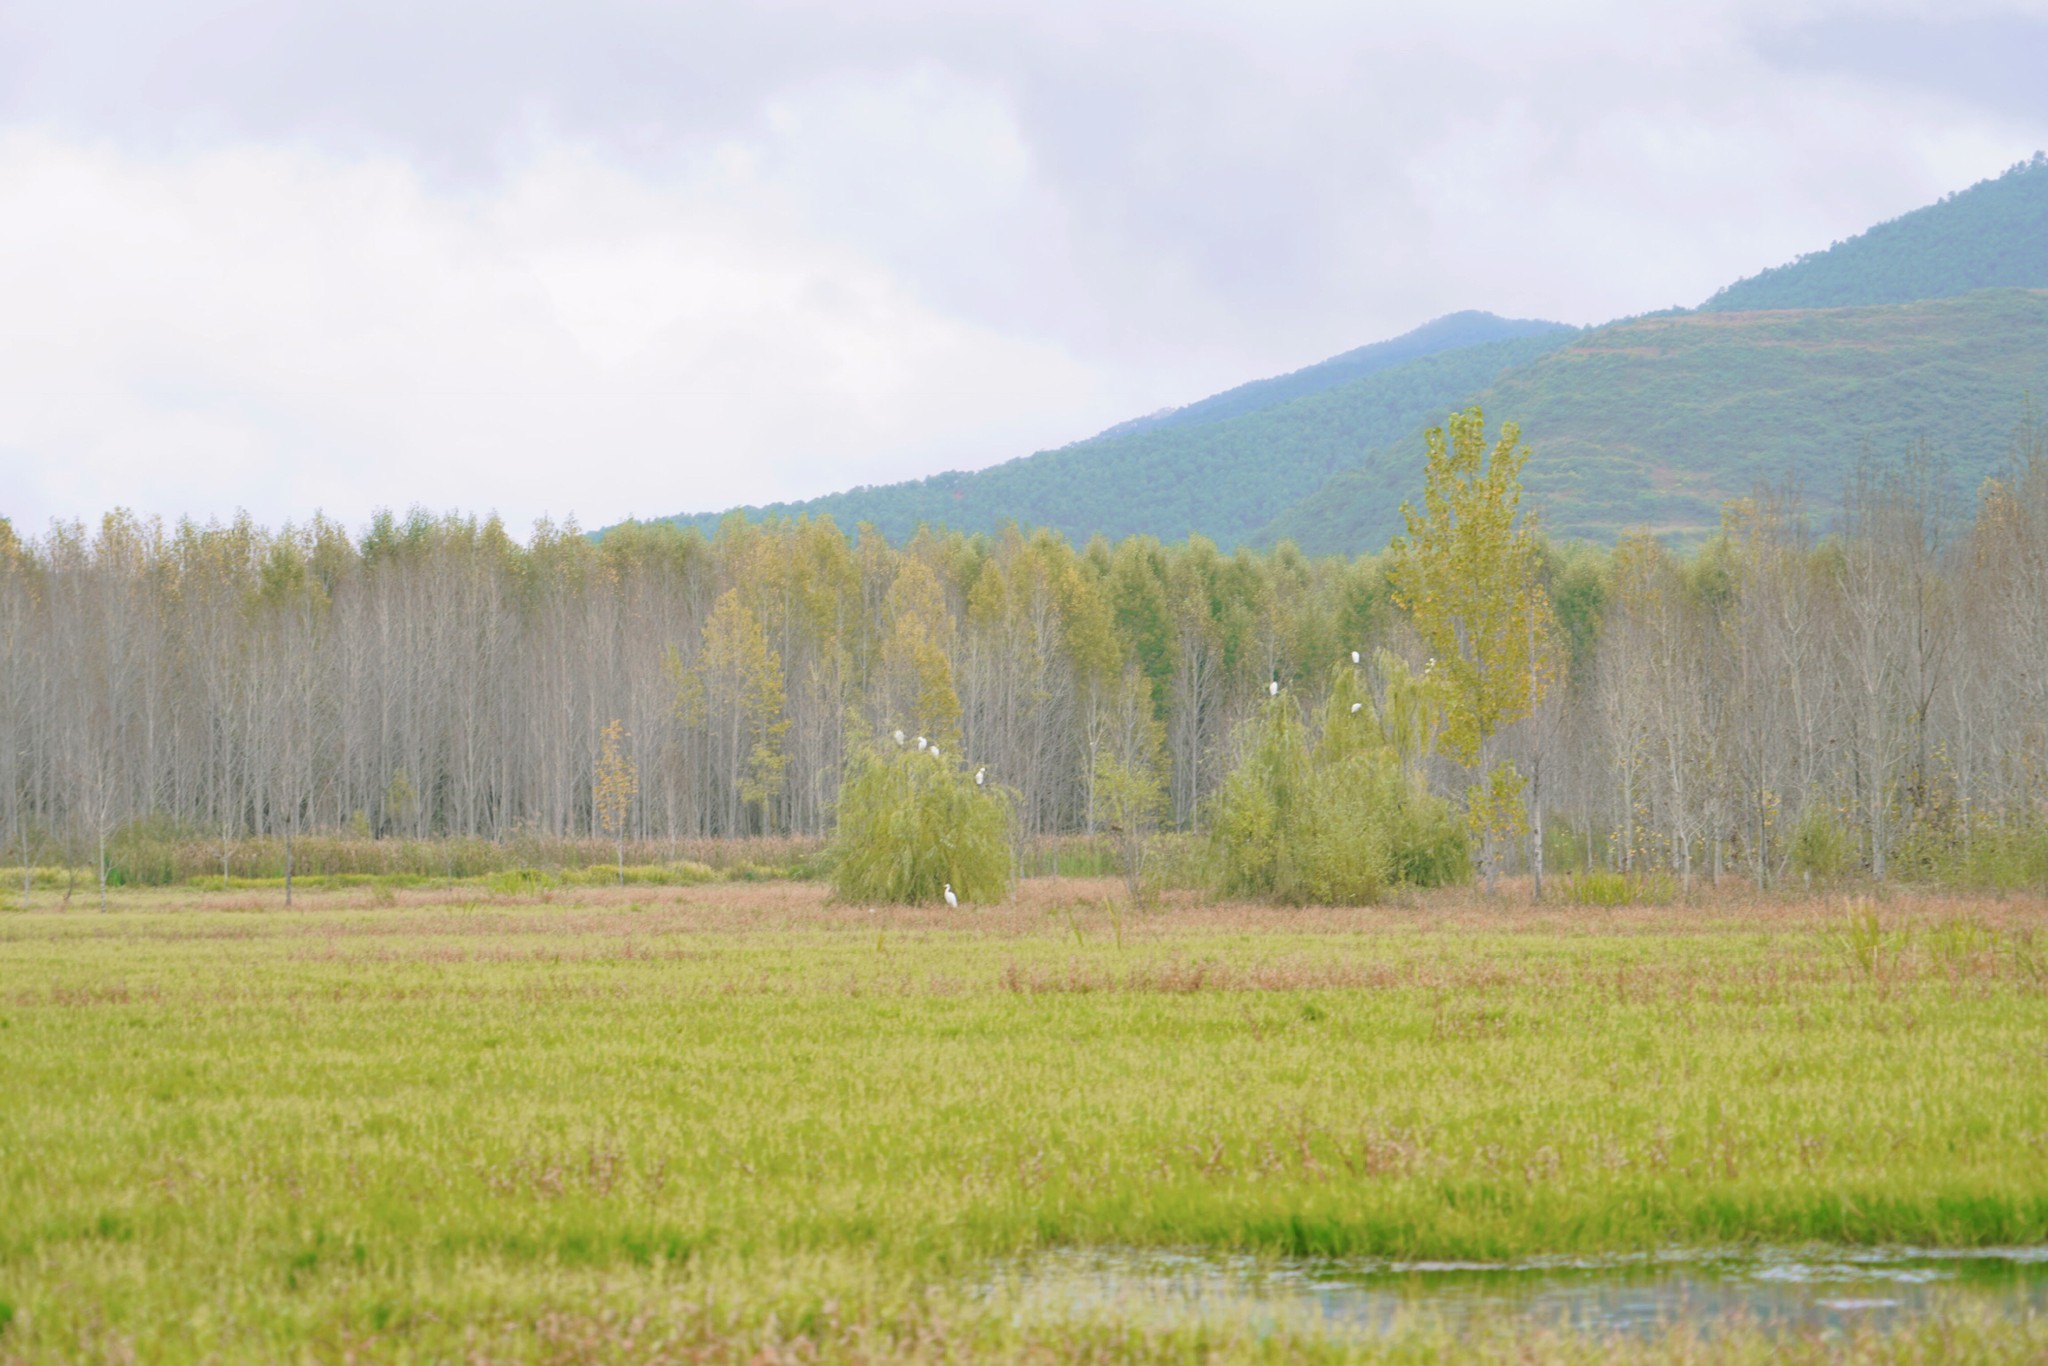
[1777, 1292]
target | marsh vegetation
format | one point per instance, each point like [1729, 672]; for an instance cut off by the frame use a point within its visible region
[586, 1123]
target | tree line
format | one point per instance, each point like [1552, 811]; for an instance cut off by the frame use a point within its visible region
[1857, 686]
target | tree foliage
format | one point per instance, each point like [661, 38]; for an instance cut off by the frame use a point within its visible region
[1129, 777]
[1984, 237]
[1467, 573]
[1223, 471]
[434, 677]
[617, 783]
[1658, 421]
[910, 824]
[1331, 820]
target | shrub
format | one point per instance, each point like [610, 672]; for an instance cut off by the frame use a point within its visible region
[1822, 845]
[2007, 857]
[519, 881]
[1332, 825]
[679, 874]
[1427, 842]
[1597, 887]
[909, 824]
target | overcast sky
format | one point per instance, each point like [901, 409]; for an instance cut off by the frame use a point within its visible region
[633, 257]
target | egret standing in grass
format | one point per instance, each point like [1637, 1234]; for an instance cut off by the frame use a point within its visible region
[980, 775]
[920, 744]
[1273, 688]
[952, 900]
[899, 737]
[1354, 656]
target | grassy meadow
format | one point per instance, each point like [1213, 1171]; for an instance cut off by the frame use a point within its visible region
[735, 1121]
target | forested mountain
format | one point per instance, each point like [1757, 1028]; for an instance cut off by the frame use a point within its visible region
[1993, 234]
[1448, 333]
[1928, 329]
[1222, 473]
[1655, 422]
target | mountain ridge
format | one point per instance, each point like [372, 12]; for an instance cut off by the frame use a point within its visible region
[1656, 422]
[1765, 380]
[1993, 234]
[1255, 463]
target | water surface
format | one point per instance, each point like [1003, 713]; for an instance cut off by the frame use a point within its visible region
[1808, 1291]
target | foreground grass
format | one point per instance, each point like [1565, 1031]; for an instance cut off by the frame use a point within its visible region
[731, 1119]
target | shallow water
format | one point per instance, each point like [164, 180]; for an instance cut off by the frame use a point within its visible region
[1786, 1291]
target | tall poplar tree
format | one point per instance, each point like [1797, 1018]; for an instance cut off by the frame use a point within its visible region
[1467, 574]
[617, 783]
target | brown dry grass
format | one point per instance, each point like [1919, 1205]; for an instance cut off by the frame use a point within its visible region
[738, 907]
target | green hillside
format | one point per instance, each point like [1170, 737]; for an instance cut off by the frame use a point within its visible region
[1991, 235]
[1923, 328]
[1448, 333]
[1223, 478]
[1656, 421]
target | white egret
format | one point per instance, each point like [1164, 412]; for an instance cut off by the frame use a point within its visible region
[952, 900]
[935, 751]
[1354, 656]
[920, 744]
[899, 737]
[1357, 707]
[1273, 688]
[980, 775]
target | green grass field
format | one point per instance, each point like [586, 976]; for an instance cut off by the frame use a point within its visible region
[734, 1119]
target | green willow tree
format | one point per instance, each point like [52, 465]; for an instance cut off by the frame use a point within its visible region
[1467, 574]
[912, 825]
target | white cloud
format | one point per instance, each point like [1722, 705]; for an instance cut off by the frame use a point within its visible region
[620, 258]
[273, 329]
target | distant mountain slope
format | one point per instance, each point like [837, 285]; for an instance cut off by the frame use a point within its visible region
[1222, 475]
[1993, 234]
[1877, 342]
[1448, 333]
[1656, 421]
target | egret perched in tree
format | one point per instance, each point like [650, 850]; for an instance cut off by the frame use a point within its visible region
[1273, 688]
[952, 900]
[980, 775]
[920, 744]
[1354, 656]
[899, 737]
[935, 751]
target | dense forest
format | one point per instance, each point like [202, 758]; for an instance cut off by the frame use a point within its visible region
[1658, 421]
[1221, 473]
[1931, 327]
[1452, 332]
[1992, 235]
[1814, 688]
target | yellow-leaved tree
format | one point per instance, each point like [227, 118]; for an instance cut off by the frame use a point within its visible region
[1466, 573]
[739, 687]
[917, 671]
[617, 783]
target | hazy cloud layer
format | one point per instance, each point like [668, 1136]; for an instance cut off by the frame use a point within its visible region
[633, 258]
